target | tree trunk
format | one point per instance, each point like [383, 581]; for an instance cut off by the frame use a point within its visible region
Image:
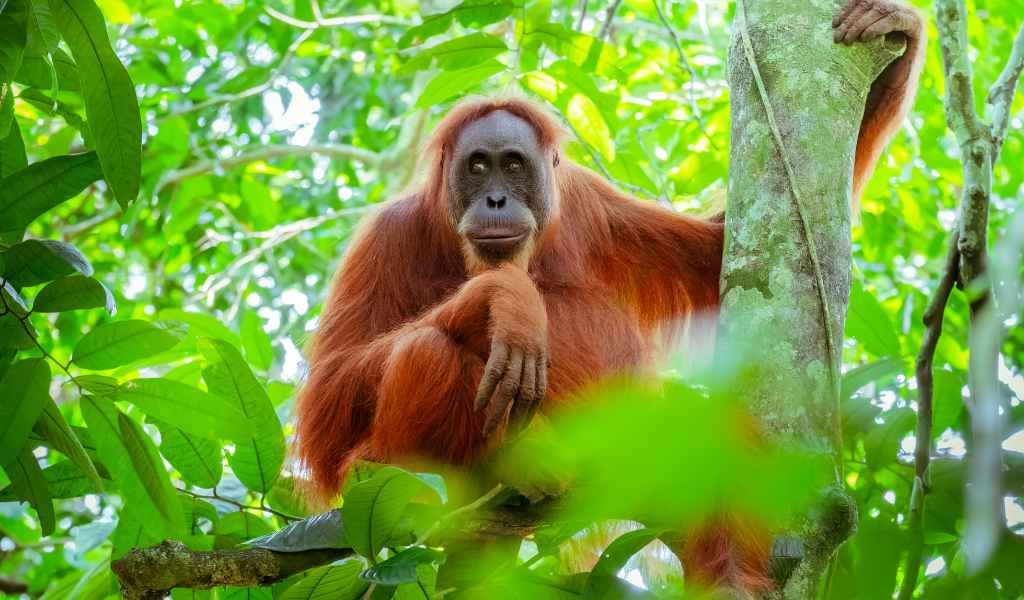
[797, 101]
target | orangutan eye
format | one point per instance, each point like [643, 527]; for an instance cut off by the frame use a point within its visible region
[477, 166]
[514, 165]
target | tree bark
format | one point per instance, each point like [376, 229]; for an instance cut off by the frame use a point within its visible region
[797, 99]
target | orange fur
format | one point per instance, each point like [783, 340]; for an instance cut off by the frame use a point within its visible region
[405, 331]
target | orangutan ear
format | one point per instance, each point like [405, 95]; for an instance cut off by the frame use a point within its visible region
[554, 162]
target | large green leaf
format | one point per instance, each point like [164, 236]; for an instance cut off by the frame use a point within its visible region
[325, 530]
[452, 83]
[63, 479]
[333, 582]
[37, 188]
[614, 558]
[470, 13]
[869, 322]
[42, 31]
[197, 459]
[128, 453]
[28, 484]
[401, 568]
[256, 461]
[110, 103]
[374, 507]
[33, 262]
[457, 54]
[26, 390]
[256, 342]
[13, 36]
[52, 427]
[121, 342]
[188, 408]
[73, 293]
[199, 325]
[12, 156]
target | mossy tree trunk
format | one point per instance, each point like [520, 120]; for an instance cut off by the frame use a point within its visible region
[797, 100]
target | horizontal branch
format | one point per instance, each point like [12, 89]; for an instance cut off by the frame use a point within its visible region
[150, 573]
[202, 167]
[334, 21]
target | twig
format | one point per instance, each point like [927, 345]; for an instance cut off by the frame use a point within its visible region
[1000, 97]
[261, 508]
[609, 17]
[334, 21]
[77, 230]
[923, 435]
[343, 151]
[469, 508]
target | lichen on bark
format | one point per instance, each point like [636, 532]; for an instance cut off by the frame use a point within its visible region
[772, 309]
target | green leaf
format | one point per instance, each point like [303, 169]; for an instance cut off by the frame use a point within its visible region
[63, 479]
[110, 103]
[12, 152]
[42, 27]
[452, 83]
[457, 54]
[72, 293]
[325, 530]
[401, 568]
[37, 188]
[373, 508]
[199, 325]
[241, 525]
[135, 466]
[614, 558]
[33, 262]
[13, 36]
[256, 342]
[28, 484]
[197, 459]
[883, 368]
[256, 461]
[947, 399]
[869, 322]
[52, 427]
[26, 389]
[335, 582]
[588, 122]
[190, 409]
[121, 342]
[471, 13]
[98, 385]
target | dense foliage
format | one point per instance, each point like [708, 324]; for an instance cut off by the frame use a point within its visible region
[180, 179]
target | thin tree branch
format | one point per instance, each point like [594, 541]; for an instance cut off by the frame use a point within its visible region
[923, 435]
[609, 18]
[1000, 97]
[333, 21]
[202, 167]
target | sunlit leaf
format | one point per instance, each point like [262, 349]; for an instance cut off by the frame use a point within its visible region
[133, 462]
[52, 427]
[197, 459]
[32, 262]
[257, 460]
[121, 342]
[256, 342]
[190, 409]
[110, 103]
[28, 484]
[30, 192]
[26, 388]
[373, 508]
[72, 293]
[335, 582]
